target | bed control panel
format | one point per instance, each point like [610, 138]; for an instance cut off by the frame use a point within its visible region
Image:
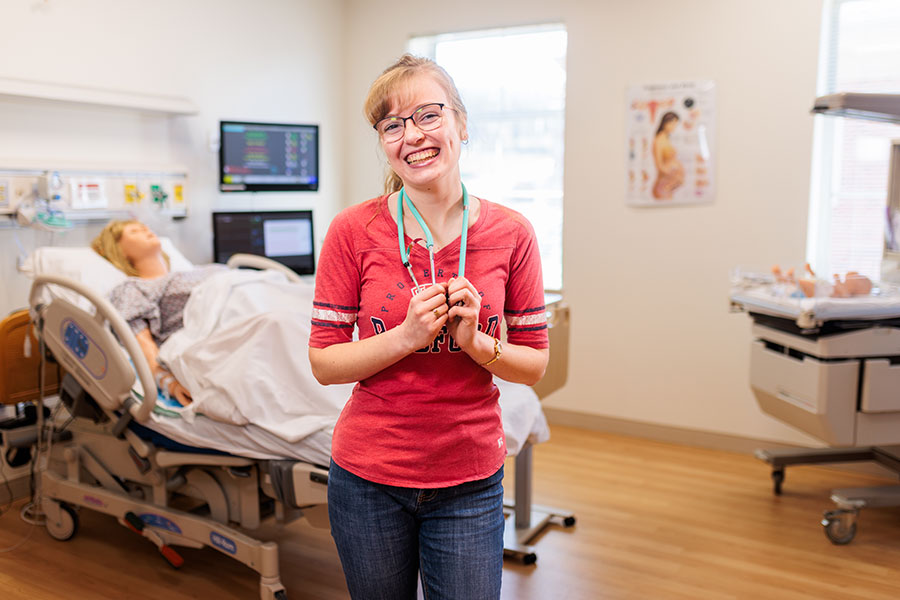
[76, 340]
[81, 345]
[88, 351]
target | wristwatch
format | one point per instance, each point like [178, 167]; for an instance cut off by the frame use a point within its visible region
[498, 350]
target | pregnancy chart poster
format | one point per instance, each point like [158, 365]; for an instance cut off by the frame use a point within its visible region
[670, 143]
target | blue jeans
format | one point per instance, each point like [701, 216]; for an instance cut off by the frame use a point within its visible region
[386, 535]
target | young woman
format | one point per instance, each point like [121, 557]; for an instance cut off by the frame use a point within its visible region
[425, 273]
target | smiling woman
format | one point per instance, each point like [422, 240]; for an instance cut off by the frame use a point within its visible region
[424, 415]
[398, 85]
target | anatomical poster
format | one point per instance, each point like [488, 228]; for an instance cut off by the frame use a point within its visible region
[670, 143]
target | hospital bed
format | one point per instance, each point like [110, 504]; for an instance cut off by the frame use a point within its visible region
[831, 368]
[196, 484]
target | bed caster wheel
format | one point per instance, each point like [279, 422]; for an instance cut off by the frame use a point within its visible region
[61, 522]
[569, 521]
[281, 595]
[777, 480]
[840, 526]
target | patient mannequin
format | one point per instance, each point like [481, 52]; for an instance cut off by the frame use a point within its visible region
[152, 299]
[853, 283]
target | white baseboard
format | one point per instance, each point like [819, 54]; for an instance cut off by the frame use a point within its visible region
[688, 437]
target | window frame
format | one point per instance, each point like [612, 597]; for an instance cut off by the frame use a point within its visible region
[427, 45]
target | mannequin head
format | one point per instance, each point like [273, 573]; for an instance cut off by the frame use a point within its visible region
[127, 244]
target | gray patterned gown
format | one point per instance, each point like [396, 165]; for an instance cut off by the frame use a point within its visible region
[158, 304]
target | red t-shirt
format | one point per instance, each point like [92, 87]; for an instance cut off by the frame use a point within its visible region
[431, 419]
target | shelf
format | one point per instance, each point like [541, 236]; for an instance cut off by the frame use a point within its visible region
[23, 88]
[84, 217]
[21, 168]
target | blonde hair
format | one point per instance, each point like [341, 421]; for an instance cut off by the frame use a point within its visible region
[384, 89]
[106, 244]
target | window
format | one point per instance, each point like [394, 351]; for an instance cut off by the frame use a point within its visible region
[513, 82]
[860, 53]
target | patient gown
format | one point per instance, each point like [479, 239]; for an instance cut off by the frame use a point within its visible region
[158, 304]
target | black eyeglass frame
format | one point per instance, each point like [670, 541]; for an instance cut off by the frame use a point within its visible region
[411, 117]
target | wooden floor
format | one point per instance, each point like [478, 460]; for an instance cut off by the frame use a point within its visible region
[655, 521]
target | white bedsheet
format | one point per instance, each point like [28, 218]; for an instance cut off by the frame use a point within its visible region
[523, 421]
[810, 312]
[243, 355]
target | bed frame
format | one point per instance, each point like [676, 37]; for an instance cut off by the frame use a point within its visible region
[171, 495]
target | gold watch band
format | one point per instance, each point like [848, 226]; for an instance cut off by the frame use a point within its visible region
[498, 350]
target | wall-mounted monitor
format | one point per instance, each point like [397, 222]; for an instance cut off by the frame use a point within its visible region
[283, 236]
[268, 157]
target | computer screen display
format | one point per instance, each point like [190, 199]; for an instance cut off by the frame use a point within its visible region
[268, 157]
[285, 236]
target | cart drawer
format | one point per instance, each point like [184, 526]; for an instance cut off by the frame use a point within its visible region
[881, 387]
[815, 396]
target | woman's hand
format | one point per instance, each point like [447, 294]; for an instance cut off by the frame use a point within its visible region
[465, 306]
[426, 315]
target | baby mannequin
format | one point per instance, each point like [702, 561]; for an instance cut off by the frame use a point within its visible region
[853, 283]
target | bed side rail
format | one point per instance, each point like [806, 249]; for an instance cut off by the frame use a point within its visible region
[261, 262]
[87, 350]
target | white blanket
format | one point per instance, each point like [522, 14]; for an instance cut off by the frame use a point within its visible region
[243, 355]
[812, 312]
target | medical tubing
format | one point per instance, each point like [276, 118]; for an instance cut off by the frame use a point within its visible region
[431, 260]
[464, 237]
[35, 489]
[164, 380]
[429, 241]
[403, 198]
[404, 253]
[9, 490]
[21, 542]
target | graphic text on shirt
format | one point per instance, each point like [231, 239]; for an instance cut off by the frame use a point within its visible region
[434, 347]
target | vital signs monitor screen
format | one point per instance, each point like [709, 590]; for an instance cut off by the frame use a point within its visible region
[268, 157]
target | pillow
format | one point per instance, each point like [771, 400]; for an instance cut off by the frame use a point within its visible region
[86, 266]
[177, 260]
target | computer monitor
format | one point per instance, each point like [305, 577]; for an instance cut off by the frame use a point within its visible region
[283, 236]
[268, 157]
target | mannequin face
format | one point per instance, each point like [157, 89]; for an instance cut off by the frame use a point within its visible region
[138, 242]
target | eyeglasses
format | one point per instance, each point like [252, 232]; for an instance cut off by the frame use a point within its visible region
[427, 117]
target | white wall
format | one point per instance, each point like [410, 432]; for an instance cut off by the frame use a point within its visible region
[271, 60]
[652, 339]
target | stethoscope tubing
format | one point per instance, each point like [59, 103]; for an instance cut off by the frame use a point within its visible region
[403, 198]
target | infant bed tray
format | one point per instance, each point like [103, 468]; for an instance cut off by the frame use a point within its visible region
[831, 368]
[813, 312]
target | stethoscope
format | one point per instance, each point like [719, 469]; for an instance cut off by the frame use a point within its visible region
[402, 199]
